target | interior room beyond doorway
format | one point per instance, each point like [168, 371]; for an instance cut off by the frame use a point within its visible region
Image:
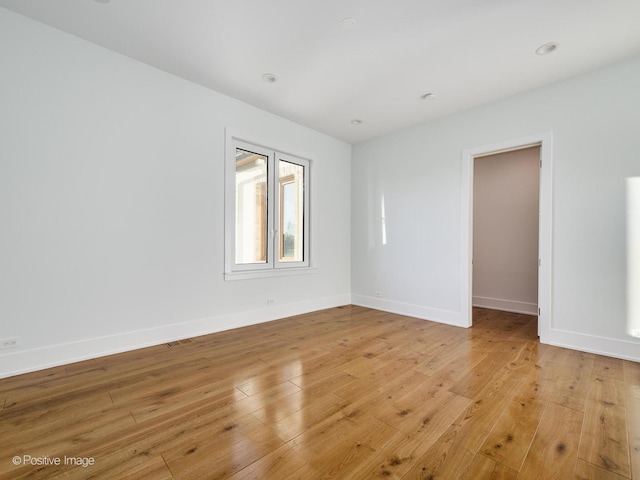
[506, 230]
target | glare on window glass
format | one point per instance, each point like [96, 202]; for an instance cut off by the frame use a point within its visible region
[251, 207]
[291, 214]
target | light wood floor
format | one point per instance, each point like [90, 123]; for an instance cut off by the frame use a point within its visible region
[346, 393]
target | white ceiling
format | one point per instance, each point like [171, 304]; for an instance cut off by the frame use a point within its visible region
[468, 52]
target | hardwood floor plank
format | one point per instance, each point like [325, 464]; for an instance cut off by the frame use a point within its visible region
[383, 388]
[75, 386]
[159, 405]
[344, 393]
[154, 468]
[66, 437]
[534, 387]
[604, 435]
[214, 459]
[571, 379]
[632, 377]
[407, 353]
[356, 439]
[162, 384]
[633, 425]
[77, 437]
[266, 383]
[587, 471]
[314, 387]
[447, 353]
[113, 465]
[481, 416]
[35, 380]
[304, 419]
[443, 459]
[608, 367]
[281, 463]
[454, 450]
[632, 402]
[54, 417]
[477, 378]
[554, 450]
[510, 439]
[304, 473]
[405, 409]
[377, 378]
[484, 468]
[414, 439]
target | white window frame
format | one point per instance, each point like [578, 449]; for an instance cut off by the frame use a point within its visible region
[273, 266]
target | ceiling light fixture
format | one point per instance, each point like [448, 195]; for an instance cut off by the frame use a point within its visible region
[269, 78]
[429, 96]
[102, 1]
[547, 48]
[348, 23]
[356, 121]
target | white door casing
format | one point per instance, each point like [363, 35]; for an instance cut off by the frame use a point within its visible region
[545, 141]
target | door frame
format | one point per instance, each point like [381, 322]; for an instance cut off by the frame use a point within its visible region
[545, 227]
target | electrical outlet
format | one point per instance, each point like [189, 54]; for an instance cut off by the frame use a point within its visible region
[10, 342]
[270, 301]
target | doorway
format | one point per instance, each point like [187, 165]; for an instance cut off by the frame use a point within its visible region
[545, 142]
[505, 230]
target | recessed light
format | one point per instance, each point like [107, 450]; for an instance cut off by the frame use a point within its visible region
[356, 121]
[428, 96]
[269, 78]
[348, 23]
[102, 1]
[547, 48]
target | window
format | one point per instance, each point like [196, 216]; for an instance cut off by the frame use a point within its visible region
[267, 210]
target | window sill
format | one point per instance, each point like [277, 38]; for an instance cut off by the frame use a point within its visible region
[276, 272]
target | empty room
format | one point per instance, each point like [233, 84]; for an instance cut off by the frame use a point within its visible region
[326, 239]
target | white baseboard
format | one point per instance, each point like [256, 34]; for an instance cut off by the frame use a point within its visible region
[23, 361]
[506, 305]
[410, 310]
[609, 347]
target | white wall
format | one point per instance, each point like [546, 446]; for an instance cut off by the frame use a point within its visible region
[595, 119]
[505, 230]
[111, 204]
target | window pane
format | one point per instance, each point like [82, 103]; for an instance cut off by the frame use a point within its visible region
[251, 207]
[291, 201]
